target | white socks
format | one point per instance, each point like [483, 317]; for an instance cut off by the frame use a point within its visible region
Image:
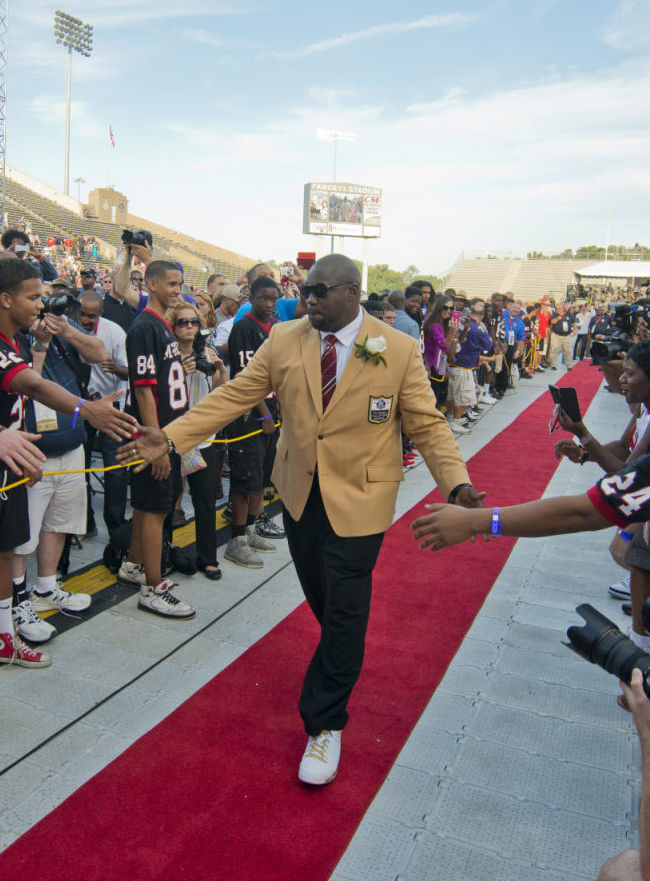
[6, 621]
[45, 584]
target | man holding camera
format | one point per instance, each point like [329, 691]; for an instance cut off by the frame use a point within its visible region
[56, 504]
[19, 244]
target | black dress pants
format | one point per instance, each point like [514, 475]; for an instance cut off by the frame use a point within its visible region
[503, 377]
[203, 490]
[335, 573]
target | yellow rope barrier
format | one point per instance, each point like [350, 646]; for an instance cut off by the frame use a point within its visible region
[216, 440]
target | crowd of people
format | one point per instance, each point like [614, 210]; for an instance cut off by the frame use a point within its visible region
[87, 363]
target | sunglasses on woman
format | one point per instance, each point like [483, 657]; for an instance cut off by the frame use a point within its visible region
[188, 322]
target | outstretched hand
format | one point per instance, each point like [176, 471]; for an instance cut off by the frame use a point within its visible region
[147, 446]
[447, 525]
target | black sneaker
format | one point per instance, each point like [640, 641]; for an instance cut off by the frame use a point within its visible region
[267, 528]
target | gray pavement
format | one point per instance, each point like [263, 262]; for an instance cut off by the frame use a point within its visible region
[521, 767]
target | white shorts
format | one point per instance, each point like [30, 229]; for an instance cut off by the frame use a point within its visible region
[57, 504]
[462, 389]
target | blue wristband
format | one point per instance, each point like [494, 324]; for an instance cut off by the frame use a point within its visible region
[262, 418]
[75, 415]
[495, 526]
[626, 536]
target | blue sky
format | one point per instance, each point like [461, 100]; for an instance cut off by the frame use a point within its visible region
[503, 125]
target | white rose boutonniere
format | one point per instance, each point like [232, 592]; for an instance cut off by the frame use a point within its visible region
[371, 350]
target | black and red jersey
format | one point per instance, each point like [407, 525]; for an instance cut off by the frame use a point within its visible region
[624, 497]
[245, 338]
[14, 357]
[154, 360]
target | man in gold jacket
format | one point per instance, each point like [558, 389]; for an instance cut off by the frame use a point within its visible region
[348, 385]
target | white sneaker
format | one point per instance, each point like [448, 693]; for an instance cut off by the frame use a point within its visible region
[60, 599]
[28, 625]
[160, 601]
[472, 417]
[621, 590]
[321, 758]
[239, 551]
[486, 398]
[258, 542]
[457, 427]
[131, 574]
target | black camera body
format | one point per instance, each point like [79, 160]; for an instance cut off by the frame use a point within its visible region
[609, 349]
[601, 642]
[203, 364]
[57, 305]
[142, 237]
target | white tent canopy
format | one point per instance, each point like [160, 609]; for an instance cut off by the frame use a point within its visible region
[616, 269]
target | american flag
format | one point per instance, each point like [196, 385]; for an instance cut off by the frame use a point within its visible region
[110, 134]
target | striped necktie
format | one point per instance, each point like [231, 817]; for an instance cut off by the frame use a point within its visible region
[328, 369]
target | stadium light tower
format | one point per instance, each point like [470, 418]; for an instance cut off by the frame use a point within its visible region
[325, 134]
[73, 34]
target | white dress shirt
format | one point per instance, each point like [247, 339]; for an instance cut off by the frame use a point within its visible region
[345, 338]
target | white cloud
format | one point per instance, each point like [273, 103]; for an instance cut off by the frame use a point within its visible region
[448, 20]
[451, 97]
[628, 27]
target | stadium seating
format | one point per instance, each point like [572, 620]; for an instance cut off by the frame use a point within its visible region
[48, 218]
[528, 280]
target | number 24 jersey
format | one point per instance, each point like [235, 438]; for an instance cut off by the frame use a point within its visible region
[154, 361]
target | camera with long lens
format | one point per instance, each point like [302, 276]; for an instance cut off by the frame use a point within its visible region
[57, 305]
[600, 641]
[142, 237]
[203, 364]
[618, 337]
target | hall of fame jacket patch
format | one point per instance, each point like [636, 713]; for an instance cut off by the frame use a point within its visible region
[379, 408]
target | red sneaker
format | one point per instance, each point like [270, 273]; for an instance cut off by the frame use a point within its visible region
[14, 651]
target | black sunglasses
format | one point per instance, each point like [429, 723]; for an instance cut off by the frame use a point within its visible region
[321, 290]
[188, 322]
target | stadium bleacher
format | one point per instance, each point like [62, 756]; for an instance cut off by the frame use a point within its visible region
[528, 280]
[49, 218]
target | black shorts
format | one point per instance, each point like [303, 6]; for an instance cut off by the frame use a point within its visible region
[638, 552]
[156, 496]
[246, 457]
[14, 514]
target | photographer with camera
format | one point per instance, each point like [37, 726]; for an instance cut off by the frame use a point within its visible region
[204, 371]
[19, 245]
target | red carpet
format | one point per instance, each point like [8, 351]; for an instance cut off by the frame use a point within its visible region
[211, 792]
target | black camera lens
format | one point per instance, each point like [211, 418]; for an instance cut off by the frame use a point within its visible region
[57, 305]
[601, 642]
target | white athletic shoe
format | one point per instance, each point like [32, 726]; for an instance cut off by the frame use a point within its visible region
[58, 598]
[240, 552]
[28, 625]
[131, 574]
[258, 542]
[621, 590]
[321, 758]
[457, 427]
[486, 398]
[160, 601]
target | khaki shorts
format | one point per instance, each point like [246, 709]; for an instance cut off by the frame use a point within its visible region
[57, 504]
[462, 389]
